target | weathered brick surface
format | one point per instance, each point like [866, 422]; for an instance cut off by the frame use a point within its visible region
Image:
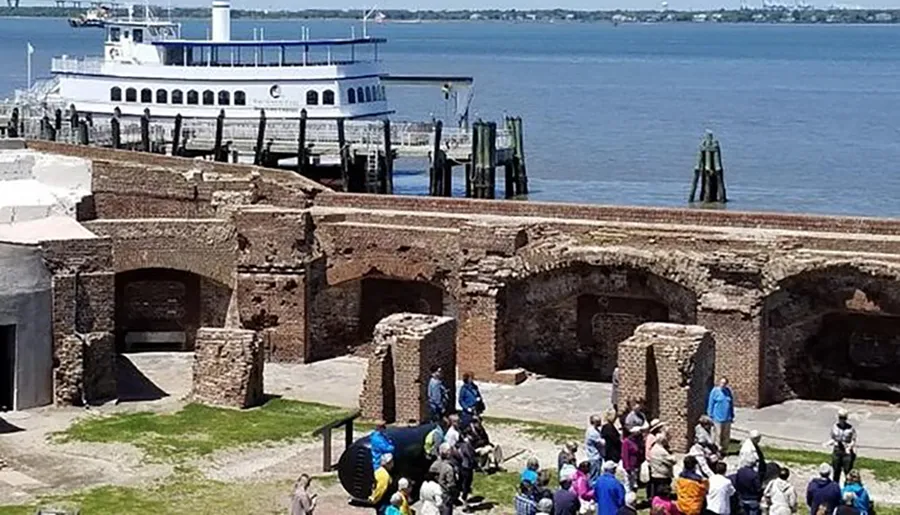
[411, 344]
[378, 400]
[228, 368]
[548, 287]
[99, 351]
[671, 365]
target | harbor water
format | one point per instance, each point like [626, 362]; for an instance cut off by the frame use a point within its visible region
[807, 115]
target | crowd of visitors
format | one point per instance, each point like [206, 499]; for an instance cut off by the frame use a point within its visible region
[625, 453]
[457, 446]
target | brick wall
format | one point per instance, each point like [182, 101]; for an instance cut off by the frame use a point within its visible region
[228, 368]
[670, 365]
[412, 344]
[739, 353]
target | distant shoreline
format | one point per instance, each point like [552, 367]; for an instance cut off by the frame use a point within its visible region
[770, 16]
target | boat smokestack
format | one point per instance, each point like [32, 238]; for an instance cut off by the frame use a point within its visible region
[221, 20]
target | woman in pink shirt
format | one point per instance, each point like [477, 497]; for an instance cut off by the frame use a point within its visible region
[663, 502]
[581, 486]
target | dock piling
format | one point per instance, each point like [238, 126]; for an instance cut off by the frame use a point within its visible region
[436, 171]
[301, 144]
[12, 128]
[116, 132]
[709, 173]
[345, 155]
[176, 135]
[145, 130]
[83, 133]
[218, 154]
[520, 177]
[388, 160]
[260, 138]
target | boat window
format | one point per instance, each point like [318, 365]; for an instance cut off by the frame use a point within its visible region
[224, 98]
[115, 94]
[192, 97]
[177, 97]
[138, 36]
[146, 96]
[383, 93]
[162, 96]
[240, 98]
[368, 94]
[209, 98]
[328, 97]
[351, 96]
[312, 98]
[360, 97]
[115, 34]
[131, 95]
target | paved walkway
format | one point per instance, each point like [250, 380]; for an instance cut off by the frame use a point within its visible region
[795, 424]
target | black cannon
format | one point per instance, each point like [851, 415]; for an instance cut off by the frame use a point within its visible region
[355, 466]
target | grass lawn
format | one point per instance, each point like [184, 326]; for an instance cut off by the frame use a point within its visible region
[557, 433]
[182, 494]
[198, 430]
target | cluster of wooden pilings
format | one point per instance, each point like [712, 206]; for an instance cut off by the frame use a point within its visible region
[709, 173]
[363, 166]
[481, 169]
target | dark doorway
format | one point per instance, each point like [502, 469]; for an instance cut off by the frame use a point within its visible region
[7, 366]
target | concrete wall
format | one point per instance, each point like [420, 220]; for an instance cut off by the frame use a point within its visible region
[25, 301]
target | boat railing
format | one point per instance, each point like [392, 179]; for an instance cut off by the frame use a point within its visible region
[76, 65]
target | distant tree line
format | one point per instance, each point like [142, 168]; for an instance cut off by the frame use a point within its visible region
[786, 15]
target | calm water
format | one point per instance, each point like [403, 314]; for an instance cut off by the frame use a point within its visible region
[807, 115]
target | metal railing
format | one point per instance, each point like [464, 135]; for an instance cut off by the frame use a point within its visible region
[72, 65]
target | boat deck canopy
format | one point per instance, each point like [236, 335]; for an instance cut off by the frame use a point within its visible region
[269, 43]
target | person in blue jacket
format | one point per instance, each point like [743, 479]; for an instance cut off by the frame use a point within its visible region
[608, 491]
[380, 443]
[469, 399]
[861, 500]
[823, 494]
[720, 408]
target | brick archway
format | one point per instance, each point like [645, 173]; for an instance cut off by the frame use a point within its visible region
[357, 294]
[162, 308]
[567, 320]
[832, 330]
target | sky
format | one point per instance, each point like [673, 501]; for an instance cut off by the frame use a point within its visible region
[513, 4]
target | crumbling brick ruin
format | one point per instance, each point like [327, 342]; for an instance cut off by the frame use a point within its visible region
[407, 346]
[798, 306]
[228, 368]
[671, 367]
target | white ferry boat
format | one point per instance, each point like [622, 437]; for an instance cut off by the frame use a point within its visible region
[146, 64]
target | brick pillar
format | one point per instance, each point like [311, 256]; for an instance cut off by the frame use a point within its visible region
[412, 344]
[685, 357]
[99, 350]
[377, 400]
[228, 367]
[739, 355]
[637, 373]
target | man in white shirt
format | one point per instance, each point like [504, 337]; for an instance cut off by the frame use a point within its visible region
[452, 436]
[750, 453]
[718, 499]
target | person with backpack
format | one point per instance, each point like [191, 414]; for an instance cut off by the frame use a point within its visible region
[822, 494]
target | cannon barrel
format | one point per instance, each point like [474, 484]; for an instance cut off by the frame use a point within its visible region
[355, 466]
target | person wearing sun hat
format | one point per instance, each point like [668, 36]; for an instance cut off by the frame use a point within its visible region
[843, 445]
[655, 429]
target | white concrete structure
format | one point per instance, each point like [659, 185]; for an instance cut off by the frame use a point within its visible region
[147, 65]
[35, 185]
[38, 198]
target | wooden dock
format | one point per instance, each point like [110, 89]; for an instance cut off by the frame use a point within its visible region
[357, 154]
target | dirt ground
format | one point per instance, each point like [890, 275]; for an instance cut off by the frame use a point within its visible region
[160, 383]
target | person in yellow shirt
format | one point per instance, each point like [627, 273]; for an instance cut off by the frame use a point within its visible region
[405, 493]
[379, 497]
